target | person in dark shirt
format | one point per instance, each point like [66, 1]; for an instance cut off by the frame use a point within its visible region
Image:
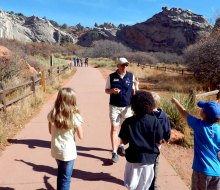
[142, 132]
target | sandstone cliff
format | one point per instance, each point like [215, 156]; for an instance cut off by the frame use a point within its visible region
[31, 29]
[171, 30]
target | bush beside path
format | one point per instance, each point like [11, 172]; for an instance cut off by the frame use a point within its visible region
[27, 164]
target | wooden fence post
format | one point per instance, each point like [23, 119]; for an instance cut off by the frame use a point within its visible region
[33, 84]
[43, 80]
[192, 95]
[51, 69]
[70, 65]
[64, 70]
[2, 95]
[182, 71]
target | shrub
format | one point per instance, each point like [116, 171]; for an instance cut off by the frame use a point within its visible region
[140, 58]
[169, 58]
[203, 59]
[105, 48]
[176, 120]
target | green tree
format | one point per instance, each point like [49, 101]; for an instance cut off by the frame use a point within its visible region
[96, 25]
[79, 27]
[64, 26]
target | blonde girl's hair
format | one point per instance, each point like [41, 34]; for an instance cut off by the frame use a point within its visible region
[156, 99]
[65, 108]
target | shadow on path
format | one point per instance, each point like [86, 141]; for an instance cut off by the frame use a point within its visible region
[47, 184]
[31, 143]
[34, 143]
[80, 174]
[82, 148]
[105, 161]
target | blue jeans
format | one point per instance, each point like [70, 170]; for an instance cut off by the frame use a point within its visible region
[65, 169]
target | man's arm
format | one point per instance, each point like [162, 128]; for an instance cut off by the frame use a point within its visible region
[110, 90]
[180, 107]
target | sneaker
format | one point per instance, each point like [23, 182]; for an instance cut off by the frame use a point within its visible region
[121, 151]
[114, 157]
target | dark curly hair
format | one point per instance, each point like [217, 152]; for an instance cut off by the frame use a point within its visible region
[142, 103]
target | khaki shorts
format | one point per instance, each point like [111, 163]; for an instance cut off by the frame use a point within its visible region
[119, 114]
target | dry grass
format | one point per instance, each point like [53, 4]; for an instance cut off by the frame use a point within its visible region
[151, 78]
[17, 115]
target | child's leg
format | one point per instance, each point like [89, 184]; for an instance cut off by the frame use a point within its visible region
[156, 169]
[138, 176]
[202, 181]
[147, 175]
[65, 169]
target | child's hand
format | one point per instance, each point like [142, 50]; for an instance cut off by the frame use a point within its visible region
[116, 90]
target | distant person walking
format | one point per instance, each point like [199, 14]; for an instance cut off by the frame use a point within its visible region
[81, 62]
[86, 62]
[206, 162]
[121, 85]
[77, 61]
[142, 132]
[64, 121]
[74, 61]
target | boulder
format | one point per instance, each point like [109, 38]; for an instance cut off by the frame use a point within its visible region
[97, 33]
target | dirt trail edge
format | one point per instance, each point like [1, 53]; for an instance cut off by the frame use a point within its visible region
[27, 165]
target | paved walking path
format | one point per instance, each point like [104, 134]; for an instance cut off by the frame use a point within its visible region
[27, 165]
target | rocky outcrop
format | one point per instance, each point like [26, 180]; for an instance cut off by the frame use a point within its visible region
[216, 26]
[31, 29]
[171, 30]
[97, 33]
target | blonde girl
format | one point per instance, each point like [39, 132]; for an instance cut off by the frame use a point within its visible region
[64, 121]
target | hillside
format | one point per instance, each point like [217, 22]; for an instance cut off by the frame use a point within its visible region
[171, 30]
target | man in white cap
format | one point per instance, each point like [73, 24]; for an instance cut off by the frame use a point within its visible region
[121, 85]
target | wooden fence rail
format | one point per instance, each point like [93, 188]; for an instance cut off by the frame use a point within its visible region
[164, 68]
[42, 80]
[215, 93]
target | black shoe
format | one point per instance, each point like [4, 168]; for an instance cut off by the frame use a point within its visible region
[114, 157]
[121, 151]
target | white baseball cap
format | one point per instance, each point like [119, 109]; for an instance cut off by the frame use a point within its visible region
[122, 60]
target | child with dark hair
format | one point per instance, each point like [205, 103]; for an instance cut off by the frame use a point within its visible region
[142, 131]
[165, 124]
[206, 162]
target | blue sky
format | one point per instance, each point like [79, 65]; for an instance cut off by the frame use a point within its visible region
[87, 12]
